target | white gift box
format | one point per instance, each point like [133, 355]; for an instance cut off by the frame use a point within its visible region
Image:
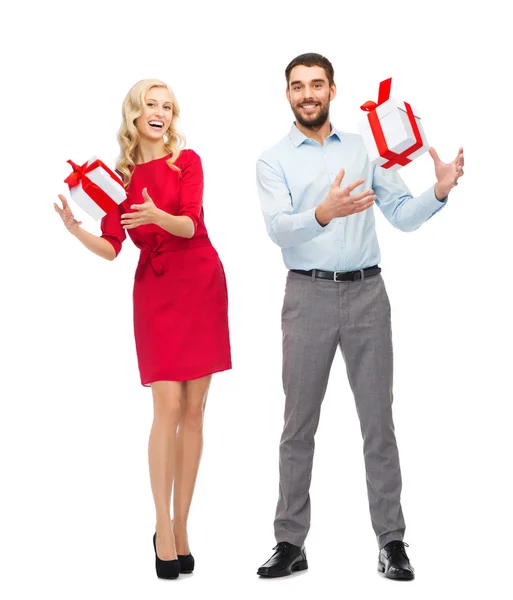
[97, 190]
[389, 148]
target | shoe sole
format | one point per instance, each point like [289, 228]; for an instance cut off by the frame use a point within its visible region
[160, 576]
[381, 570]
[302, 565]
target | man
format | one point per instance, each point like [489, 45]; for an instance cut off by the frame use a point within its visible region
[317, 188]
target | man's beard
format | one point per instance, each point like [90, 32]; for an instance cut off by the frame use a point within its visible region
[318, 122]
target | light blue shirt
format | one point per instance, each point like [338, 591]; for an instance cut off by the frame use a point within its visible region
[295, 176]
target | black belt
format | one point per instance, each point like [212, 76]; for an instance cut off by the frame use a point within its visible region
[342, 275]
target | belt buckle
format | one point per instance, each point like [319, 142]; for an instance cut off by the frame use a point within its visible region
[335, 273]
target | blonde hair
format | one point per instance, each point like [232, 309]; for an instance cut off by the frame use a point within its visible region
[128, 136]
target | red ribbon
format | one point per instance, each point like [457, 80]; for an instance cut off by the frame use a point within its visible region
[383, 96]
[377, 131]
[79, 174]
[150, 254]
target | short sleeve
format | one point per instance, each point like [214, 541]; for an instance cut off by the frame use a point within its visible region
[112, 230]
[191, 187]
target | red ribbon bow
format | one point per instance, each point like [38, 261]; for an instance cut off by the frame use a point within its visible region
[79, 175]
[383, 96]
[377, 131]
[150, 254]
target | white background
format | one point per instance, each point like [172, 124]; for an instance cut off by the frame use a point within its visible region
[76, 512]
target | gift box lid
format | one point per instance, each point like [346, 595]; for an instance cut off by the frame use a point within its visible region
[383, 110]
[393, 104]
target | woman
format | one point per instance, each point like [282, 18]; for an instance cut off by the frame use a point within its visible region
[180, 300]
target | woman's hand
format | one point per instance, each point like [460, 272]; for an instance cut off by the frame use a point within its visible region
[145, 214]
[71, 224]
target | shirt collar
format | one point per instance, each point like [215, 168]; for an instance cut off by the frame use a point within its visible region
[298, 137]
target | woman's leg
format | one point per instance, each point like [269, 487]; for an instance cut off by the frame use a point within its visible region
[161, 458]
[188, 454]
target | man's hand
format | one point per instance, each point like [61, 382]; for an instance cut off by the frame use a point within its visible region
[340, 203]
[447, 174]
[145, 213]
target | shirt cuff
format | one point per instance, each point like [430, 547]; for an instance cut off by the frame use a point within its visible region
[310, 222]
[429, 200]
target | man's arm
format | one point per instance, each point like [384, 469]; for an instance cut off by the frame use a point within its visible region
[284, 227]
[402, 210]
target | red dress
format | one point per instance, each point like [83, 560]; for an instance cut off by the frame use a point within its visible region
[180, 297]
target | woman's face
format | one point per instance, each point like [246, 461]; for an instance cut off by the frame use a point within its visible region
[157, 114]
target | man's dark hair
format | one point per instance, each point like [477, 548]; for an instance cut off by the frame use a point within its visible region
[311, 59]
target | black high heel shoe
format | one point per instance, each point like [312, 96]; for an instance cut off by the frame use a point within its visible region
[166, 569]
[186, 563]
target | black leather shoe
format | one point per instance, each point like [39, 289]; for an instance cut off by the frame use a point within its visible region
[286, 560]
[186, 563]
[166, 569]
[393, 561]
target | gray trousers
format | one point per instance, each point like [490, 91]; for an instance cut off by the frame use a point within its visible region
[318, 315]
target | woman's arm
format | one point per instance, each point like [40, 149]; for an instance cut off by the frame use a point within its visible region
[181, 226]
[96, 244]
[148, 213]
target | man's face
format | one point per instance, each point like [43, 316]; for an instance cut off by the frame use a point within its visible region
[309, 94]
